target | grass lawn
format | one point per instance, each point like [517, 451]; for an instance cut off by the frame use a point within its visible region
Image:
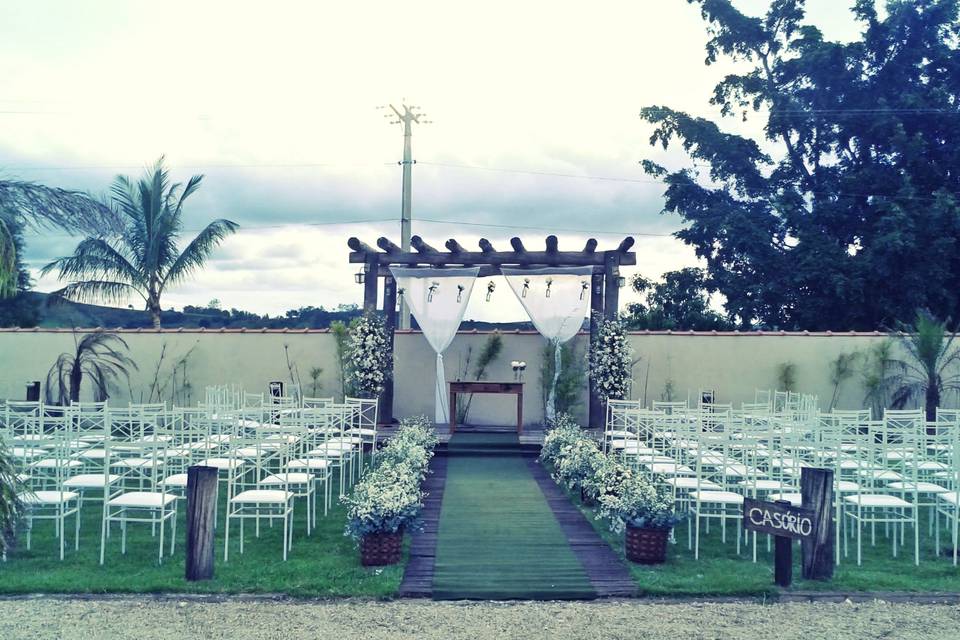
[721, 572]
[324, 564]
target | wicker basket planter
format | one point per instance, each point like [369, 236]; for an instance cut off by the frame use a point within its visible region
[380, 549]
[646, 546]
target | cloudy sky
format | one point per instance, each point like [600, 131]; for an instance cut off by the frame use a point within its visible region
[534, 108]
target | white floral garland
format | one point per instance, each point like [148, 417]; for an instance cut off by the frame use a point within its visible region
[369, 359]
[611, 360]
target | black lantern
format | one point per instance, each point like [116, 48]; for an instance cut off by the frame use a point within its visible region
[359, 277]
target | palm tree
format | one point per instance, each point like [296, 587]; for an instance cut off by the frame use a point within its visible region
[44, 207]
[928, 344]
[97, 356]
[144, 258]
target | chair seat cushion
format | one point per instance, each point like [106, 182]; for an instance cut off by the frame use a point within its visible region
[48, 497]
[176, 480]
[90, 481]
[221, 464]
[287, 478]
[54, 463]
[262, 496]
[686, 482]
[878, 500]
[718, 497]
[308, 463]
[143, 500]
[921, 487]
[669, 468]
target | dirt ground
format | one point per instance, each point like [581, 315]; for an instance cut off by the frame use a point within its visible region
[148, 618]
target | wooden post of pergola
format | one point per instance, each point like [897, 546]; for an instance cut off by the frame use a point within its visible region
[604, 283]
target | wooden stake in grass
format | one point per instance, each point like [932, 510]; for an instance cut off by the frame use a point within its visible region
[201, 517]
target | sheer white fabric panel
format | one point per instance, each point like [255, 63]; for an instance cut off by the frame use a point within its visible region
[438, 299]
[557, 301]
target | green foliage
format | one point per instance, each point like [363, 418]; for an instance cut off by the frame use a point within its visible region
[573, 376]
[787, 376]
[926, 372]
[842, 369]
[44, 207]
[680, 302]
[144, 258]
[315, 385]
[844, 214]
[488, 353]
[876, 377]
[98, 358]
[11, 508]
[341, 334]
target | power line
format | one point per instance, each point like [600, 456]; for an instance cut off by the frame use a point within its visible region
[552, 228]
[552, 174]
[254, 165]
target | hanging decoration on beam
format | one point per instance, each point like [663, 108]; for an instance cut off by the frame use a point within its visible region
[557, 303]
[438, 299]
[490, 287]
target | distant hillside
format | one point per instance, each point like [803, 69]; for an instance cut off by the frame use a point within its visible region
[47, 312]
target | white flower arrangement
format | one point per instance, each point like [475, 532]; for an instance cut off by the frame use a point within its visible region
[639, 502]
[389, 498]
[624, 496]
[611, 360]
[369, 360]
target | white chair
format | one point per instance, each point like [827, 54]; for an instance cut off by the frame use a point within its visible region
[139, 495]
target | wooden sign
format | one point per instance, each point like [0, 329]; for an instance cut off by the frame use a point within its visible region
[812, 524]
[778, 519]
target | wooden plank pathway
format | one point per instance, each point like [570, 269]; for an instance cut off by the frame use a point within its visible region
[418, 576]
[607, 572]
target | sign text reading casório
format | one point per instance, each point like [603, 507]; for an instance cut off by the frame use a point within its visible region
[777, 519]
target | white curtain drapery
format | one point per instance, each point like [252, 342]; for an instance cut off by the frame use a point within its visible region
[557, 300]
[438, 299]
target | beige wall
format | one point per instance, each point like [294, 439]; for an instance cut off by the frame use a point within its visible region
[733, 365]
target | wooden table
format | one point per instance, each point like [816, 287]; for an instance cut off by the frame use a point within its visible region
[514, 388]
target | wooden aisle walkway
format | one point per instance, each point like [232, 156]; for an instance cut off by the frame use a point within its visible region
[607, 572]
[418, 576]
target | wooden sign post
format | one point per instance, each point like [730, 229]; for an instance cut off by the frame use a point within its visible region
[816, 487]
[784, 521]
[812, 524]
[201, 515]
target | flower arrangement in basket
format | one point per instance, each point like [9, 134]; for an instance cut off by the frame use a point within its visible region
[389, 499]
[611, 360]
[369, 362]
[645, 509]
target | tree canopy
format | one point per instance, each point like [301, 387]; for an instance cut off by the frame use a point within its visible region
[843, 213]
[680, 302]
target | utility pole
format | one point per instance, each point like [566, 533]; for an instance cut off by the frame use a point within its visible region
[406, 115]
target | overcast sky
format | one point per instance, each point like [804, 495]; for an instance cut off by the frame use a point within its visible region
[276, 104]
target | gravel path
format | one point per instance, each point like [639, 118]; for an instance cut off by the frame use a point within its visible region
[145, 619]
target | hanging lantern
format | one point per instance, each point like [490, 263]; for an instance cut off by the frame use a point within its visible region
[549, 284]
[459, 292]
[490, 287]
[359, 277]
[400, 293]
[583, 288]
[432, 290]
[526, 287]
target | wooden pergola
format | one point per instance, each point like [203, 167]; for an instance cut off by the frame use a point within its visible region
[605, 282]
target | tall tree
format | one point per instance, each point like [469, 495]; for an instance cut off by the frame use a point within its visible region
[844, 213]
[144, 259]
[680, 301]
